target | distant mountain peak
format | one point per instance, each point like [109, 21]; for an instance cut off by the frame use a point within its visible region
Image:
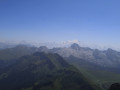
[75, 46]
[109, 49]
[43, 47]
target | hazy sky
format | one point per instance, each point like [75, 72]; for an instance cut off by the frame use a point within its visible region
[89, 21]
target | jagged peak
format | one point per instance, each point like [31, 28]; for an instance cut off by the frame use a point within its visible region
[75, 46]
[43, 47]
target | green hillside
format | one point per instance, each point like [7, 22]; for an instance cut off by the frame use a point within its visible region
[98, 76]
[42, 71]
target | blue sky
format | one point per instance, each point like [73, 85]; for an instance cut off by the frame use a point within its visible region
[89, 21]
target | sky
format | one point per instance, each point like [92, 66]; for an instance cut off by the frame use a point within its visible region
[89, 21]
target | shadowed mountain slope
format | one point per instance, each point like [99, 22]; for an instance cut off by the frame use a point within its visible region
[42, 71]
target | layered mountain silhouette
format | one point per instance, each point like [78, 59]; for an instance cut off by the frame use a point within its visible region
[101, 68]
[106, 58]
[41, 71]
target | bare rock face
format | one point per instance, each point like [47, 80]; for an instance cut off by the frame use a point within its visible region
[75, 46]
[115, 86]
[107, 58]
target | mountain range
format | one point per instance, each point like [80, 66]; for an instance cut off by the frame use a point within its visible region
[99, 67]
[41, 71]
[106, 58]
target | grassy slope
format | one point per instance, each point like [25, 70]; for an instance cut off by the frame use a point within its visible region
[42, 71]
[100, 78]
